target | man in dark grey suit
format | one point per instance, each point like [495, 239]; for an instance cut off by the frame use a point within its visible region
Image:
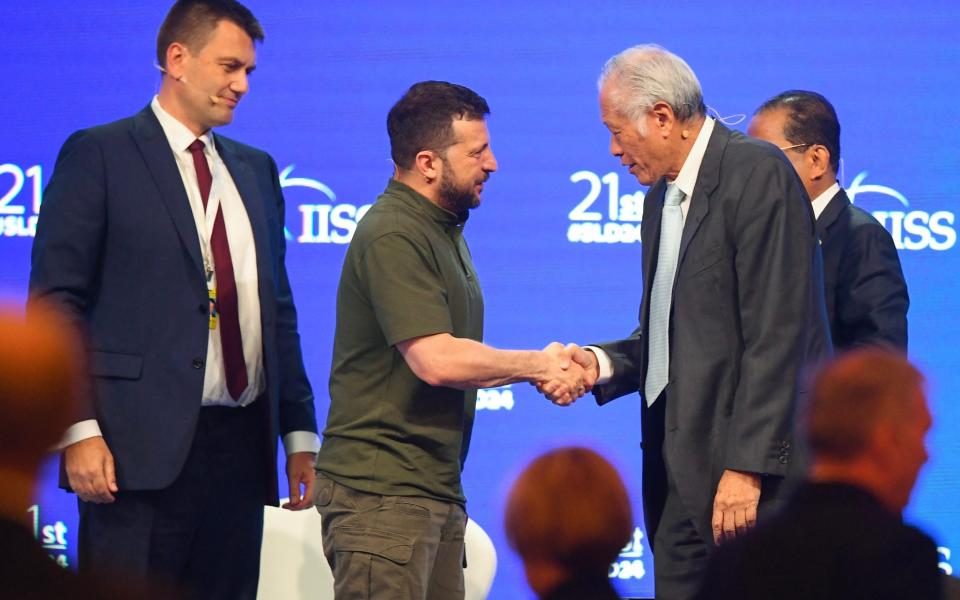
[732, 312]
[863, 283]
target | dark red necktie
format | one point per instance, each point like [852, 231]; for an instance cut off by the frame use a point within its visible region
[230, 339]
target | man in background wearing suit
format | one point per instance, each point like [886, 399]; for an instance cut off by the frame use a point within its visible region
[732, 313]
[841, 535]
[165, 245]
[863, 283]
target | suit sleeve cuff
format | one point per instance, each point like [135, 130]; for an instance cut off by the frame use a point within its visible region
[79, 432]
[603, 362]
[301, 441]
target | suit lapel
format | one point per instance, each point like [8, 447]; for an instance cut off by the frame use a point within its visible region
[830, 214]
[707, 180]
[153, 145]
[246, 182]
[650, 230]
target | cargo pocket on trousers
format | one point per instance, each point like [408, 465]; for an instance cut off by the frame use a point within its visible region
[323, 493]
[391, 546]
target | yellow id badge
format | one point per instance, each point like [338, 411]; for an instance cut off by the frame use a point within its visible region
[214, 313]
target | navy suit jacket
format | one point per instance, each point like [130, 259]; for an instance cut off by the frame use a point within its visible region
[117, 249]
[747, 320]
[863, 283]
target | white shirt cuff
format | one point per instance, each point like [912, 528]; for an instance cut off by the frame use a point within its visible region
[79, 432]
[301, 441]
[604, 363]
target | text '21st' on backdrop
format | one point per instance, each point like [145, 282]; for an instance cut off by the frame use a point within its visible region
[556, 241]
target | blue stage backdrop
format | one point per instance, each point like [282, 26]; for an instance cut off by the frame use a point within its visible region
[556, 241]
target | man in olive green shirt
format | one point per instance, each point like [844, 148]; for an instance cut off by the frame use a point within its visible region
[408, 358]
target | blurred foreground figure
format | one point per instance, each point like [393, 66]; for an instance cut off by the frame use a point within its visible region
[841, 536]
[40, 386]
[568, 516]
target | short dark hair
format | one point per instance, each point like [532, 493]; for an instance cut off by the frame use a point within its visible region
[423, 118]
[811, 119]
[191, 22]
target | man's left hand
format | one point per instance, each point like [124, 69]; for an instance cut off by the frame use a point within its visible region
[735, 505]
[300, 472]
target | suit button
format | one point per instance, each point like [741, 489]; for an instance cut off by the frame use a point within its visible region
[202, 308]
[197, 363]
[783, 459]
[785, 445]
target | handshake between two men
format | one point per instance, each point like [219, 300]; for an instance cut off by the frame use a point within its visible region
[573, 373]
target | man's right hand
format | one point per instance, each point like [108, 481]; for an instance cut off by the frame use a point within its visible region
[563, 381]
[588, 360]
[90, 470]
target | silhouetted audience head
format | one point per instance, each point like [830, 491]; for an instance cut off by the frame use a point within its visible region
[39, 385]
[866, 424]
[840, 535]
[42, 390]
[568, 516]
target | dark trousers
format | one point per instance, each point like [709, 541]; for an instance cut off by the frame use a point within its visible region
[680, 554]
[202, 533]
[391, 547]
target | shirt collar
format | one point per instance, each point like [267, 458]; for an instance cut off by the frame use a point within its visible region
[820, 202]
[178, 135]
[436, 213]
[687, 176]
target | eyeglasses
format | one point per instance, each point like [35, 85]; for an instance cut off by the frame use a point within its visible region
[795, 146]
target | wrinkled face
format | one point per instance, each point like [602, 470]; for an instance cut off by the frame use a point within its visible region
[467, 164]
[216, 77]
[769, 126]
[911, 449]
[638, 145]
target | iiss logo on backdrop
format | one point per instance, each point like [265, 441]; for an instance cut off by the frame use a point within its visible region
[604, 215]
[327, 221]
[911, 229]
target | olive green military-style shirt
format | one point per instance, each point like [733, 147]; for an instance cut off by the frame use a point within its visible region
[407, 273]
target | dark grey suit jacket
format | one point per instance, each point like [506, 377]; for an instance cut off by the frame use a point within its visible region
[117, 250]
[863, 283]
[747, 320]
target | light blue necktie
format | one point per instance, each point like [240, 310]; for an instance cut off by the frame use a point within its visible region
[658, 344]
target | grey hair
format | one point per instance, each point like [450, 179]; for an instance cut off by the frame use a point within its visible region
[647, 74]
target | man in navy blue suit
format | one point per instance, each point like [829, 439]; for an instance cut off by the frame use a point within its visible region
[165, 245]
[864, 288]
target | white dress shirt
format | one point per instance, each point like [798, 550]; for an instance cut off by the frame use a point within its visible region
[686, 180]
[243, 254]
[820, 202]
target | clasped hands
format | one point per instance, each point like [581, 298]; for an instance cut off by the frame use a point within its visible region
[569, 373]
